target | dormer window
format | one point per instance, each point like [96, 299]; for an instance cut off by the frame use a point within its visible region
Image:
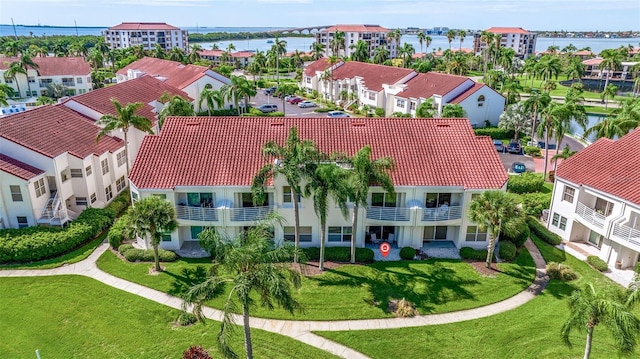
[480, 100]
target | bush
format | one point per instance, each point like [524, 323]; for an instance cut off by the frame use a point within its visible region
[38, 243]
[407, 253]
[220, 112]
[473, 254]
[186, 318]
[534, 203]
[507, 250]
[196, 352]
[533, 151]
[379, 112]
[124, 248]
[146, 255]
[339, 254]
[494, 132]
[518, 238]
[403, 308]
[597, 263]
[543, 233]
[323, 109]
[118, 232]
[637, 268]
[527, 182]
[560, 272]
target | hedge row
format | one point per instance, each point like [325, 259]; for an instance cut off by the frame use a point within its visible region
[119, 231]
[543, 233]
[473, 254]
[494, 132]
[518, 238]
[527, 182]
[534, 203]
[145, 255]
[339, 254]
[38, 243]
[597, 263]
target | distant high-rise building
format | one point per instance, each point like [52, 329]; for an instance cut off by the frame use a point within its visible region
[147, 34]
[522, 41]
[374, 35]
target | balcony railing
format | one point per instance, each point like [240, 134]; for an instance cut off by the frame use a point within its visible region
[197, 213]
[590, 215]
[627, 233]
[68, 83]
[397, 214]
[441, 214]
[249, 214]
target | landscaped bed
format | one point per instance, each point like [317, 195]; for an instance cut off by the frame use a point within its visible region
[363, 291]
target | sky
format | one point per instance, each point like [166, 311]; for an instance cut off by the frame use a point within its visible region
[534, 15]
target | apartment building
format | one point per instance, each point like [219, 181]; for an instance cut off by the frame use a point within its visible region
[516, 38]
[596, 199]
[374, 35]
[147, 34]
[194, 164]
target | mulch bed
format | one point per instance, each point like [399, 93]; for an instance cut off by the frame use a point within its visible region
[480, 266]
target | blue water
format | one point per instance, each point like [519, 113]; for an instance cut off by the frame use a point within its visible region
[22, 30]
[592, 119]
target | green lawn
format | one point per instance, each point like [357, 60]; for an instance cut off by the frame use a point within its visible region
[363, 291]
[530, 331]
[78, 317]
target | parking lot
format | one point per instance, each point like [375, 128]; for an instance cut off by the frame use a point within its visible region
[509, 158]
[287, 108]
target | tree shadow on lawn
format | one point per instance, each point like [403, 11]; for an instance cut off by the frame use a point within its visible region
[425, 283]
[189, 278]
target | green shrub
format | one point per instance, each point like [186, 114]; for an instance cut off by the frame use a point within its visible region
[543, 233]
[118, 232]
[533, 151]
[637, 268]
[560, 271]
[146, 255]
[597, 263]
[507, 250]
[494, 132]
[534, 203]
[518, 238]
[123, 248]
[339, 254]
[473, 254]
[379, 112]
[407, 253]
[323, 109]
[186, 318]
[527, 182]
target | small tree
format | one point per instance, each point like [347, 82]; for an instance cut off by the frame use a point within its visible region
[426, 109]
[516, 119]
[453, 111]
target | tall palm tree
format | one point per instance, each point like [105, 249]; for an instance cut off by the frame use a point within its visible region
[239, 87]
[279, 47]
[253, 268]
[589, 307]
[174, 106]
[177, 54]
[550, 116]
[317, 49]
[427, 42]
[380, 55]
[608, 93]
[422, 37]
[26, 62]
[213, 98]
[230, 47]
[534, 104]
[563, 155]
[461, 34]
[152, 216]
[295, 161]
[159, 52]
[575, 68]
[327, 181]
[338, 43]
[194, 53]
[365, 172]
[451, 35]
[124, 119]
[360, 51]
[610, 127]
[611, 61]
[11, 74]
[406, 51]
[495, 212]
[549, 66]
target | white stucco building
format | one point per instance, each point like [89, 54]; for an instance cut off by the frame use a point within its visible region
[204, 167]
[516, 38]
[147, 34]
[374, 35]
[596, 199]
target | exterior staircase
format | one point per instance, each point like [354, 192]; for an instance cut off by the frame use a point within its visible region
[54, 213]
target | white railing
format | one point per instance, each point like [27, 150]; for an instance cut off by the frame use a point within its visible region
[48, 209]
[627, 233]
[441, 214]
[197, 213]
[590, 215]
[249, 214]
[396, 214]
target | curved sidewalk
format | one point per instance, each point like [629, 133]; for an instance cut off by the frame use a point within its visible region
[301, 330]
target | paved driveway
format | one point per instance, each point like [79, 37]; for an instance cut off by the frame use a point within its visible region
[509, 158]
[289, 109]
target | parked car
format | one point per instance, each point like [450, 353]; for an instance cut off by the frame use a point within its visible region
[542, 144]
[498, 145]
[295, 100]
[518, 167]
[305, 104]
[270, 90]
[514, 147]
[288, 97]
[268, 107]
[337, 114]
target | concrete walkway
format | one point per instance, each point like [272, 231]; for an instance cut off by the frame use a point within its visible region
[301, 330]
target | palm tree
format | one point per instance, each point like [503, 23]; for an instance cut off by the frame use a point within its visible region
[159, 52]
[588, 308]
[124, 119]
[239, 87]
[406, 51]
[611, 61]
[250, 266]
[26, 62]
[174, 106]
[511, 90]
[364, 173]
[213, 98]
[327, 181]
[563, 155]
[380, 54]
[194, 53]
[461, 34]
[575, 68]
[451, 35]
[427, 42]
[337, 43]
[550, 116]
[45, 100]
[152, 216]
[295, 161]
[610, 127]
[549, 66]
[360, 51]
[279, 47]
[608, 93]
[495, 212]
[422, 37]
[317, 49]
[177, 54]
[11, 73]
[534, 104]
[426, 109]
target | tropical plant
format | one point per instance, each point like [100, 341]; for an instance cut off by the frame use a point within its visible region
[279, 48]
[45, 100]
[11, 74]
[534, 104]
[550, 119]
[177, 54]
[495, 212]
[406, 51]
[380, 54]
[252, 268]
[451, 35]
[239, 87]
[548, 66]
[422, 37]
[608, 93]
[511, 90]
[337, 43]
[213, 98]
[174, 106]
[152, 216]
[426, 109]
[194, 53]
[360, 51]
[563, 155]
[125, 118]
[453, 110]
[461, 34]
[515, 119]
[611, 61]
[159, 52]
[317, 49]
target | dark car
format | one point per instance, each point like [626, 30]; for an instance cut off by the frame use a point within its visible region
[518, 167]
[270, 90]
[543, 145]
[514, 147]
[498, 145]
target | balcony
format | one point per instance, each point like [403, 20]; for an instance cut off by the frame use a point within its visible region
[590, 215]
[193, 213]
[441, 214]
[393, 214]
[249, 214]
[627, 234]
[68, 83]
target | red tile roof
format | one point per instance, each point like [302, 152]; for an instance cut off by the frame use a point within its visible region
[373, 76]
[507, 30]
[54, 129]
[54, 66]
[470, 91]
[144, 89]
[584, 53]
[318, 65]
[425, 85]
[608, 166]
[176, 74]
[242, 54]
[356, 28]
[144, 26]
[216, 151]
[213, 53]
[18, 168]
[593, 62]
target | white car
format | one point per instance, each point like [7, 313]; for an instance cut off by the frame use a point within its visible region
[305, 104]
[337, 114]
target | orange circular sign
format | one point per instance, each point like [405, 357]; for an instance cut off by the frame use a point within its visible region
[385, 248]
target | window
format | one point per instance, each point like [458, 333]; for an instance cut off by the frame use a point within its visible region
[134, 196]
[120, 184]
[371, 95]
[22, 222]
[166, 237]
[16, 193]
[400, 103]
[93, 197]
[556, 218]
[435, 200]
[339, 234]
[383, 199]
[475, 196]
[435, 233]
[195, 231]
[105, 166]
[305, 234]
[563, 223]
[286, 194]
[122, 158]
[481, 100]
[474, 234]
[88, 170]
[161, 195]
[108, 192]
[412, 105]
[76, 173]
[79, 80]
[81, 201]
[39, 187]
[568, 194]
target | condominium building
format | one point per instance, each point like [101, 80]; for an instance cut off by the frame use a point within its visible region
[194, 163]
[147, 34]
[523, 42]
[374, 35]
